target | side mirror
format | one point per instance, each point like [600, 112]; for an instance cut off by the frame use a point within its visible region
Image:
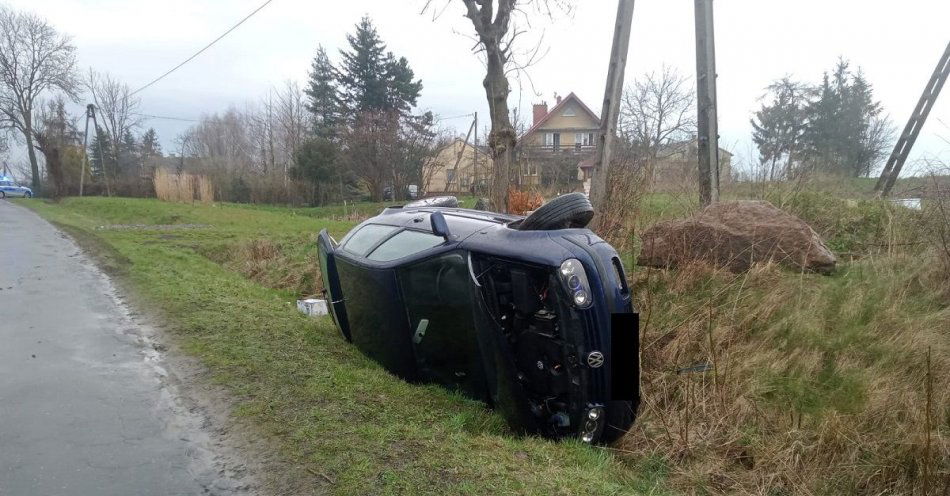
[439, 226]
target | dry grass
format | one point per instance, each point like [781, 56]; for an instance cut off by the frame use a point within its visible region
[184, 187]
[776, 382]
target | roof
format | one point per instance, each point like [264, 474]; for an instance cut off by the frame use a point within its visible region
[481, 148]
[677, 146]
[562, 103]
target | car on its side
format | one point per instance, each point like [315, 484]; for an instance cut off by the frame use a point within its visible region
[532, 315]
[10, 189]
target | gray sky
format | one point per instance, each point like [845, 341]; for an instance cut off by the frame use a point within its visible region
[897, 44]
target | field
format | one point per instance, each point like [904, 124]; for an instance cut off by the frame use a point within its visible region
[769, 382]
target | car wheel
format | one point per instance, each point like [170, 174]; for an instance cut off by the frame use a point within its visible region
[566, 211]
[28, 195]
[435, 201]
[2, 195]
[620, 416]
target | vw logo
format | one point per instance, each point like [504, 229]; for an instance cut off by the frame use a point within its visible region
[595, 359]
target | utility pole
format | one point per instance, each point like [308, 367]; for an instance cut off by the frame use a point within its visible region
[611, 109]
[707, 119]
[475, 157]
[896, 161]
[90, 114]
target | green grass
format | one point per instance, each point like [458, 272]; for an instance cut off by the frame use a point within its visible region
[330, 409]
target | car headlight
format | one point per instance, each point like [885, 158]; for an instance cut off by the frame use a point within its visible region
[575, 280]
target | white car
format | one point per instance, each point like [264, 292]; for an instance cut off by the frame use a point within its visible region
[10, 189]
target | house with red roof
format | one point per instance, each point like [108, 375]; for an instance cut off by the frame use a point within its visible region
[559, 140]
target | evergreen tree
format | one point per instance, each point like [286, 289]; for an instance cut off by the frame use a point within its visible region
[150, 145]
[323, 95]
[777, 127]
[846, 132]
[373, 79]
[101, 162]
[129, 162]
[316, 163]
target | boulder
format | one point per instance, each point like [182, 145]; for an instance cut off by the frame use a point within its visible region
[735, 235]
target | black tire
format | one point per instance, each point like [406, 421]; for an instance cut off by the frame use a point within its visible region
[435, 201]
[572, 210]
[620, 417]
[2, 195]
[28, 195]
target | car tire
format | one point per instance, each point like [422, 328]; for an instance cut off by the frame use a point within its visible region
[435, 201]
[572, 210]
[2, 195]
[620, 417]
[28, 195]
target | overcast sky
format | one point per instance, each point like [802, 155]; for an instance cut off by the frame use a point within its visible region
[897, 44]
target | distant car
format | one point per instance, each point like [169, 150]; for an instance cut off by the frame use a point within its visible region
[10, 189]
[411, 192]
[531, 315]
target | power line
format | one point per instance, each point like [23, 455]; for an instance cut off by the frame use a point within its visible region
[199, 52]
[165, 117]
[454, 117]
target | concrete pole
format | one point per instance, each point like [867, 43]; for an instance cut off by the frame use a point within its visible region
[611, 109]
[707, 119]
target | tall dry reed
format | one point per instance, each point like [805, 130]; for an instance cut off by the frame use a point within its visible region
[184, 187]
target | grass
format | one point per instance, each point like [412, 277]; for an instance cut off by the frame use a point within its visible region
[814, 383]
[331, 410]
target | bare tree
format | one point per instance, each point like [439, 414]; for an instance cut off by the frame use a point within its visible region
[655, 110]
[496, 34]
[34, 59]
[55, 134]
[118, 109]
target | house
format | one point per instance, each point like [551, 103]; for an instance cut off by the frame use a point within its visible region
[558, 141]
[676, 164]
[457, 167]
[679, 161]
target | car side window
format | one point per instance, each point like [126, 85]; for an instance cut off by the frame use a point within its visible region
[404, 244]
[363, 240]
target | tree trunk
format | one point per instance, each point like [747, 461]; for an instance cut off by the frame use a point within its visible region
[502, 139]
[36, 181]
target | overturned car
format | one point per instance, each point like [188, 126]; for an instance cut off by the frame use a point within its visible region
[532, 315]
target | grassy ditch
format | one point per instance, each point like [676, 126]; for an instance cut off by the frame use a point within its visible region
[768, 382]
[331, 410]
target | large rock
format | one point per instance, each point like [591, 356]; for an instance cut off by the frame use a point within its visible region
[736, 235]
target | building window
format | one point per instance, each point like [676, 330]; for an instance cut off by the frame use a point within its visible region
[548, 139]
[568, 112]
[583, 140]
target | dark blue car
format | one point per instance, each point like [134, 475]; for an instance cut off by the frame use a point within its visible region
[532, 315]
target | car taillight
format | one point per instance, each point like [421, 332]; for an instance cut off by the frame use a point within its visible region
[575, 280]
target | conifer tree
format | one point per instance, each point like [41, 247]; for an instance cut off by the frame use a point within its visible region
[323, 96]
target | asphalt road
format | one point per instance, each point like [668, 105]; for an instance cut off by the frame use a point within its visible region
[86, 403]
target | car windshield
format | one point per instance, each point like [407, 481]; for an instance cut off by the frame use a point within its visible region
[404, 244]
[361, 241]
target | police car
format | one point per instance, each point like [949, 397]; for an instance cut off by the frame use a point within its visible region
[10, 189]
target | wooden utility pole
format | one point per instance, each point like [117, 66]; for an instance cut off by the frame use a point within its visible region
[611, 109]
[896, 161]
[707, 119]
[475, 157]
[90, 114]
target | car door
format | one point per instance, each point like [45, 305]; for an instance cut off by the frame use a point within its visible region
[438, 295]
[331, 282]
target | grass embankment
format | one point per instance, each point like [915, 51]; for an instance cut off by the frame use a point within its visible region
[778, 382]
[768, 382]
[331, 410]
